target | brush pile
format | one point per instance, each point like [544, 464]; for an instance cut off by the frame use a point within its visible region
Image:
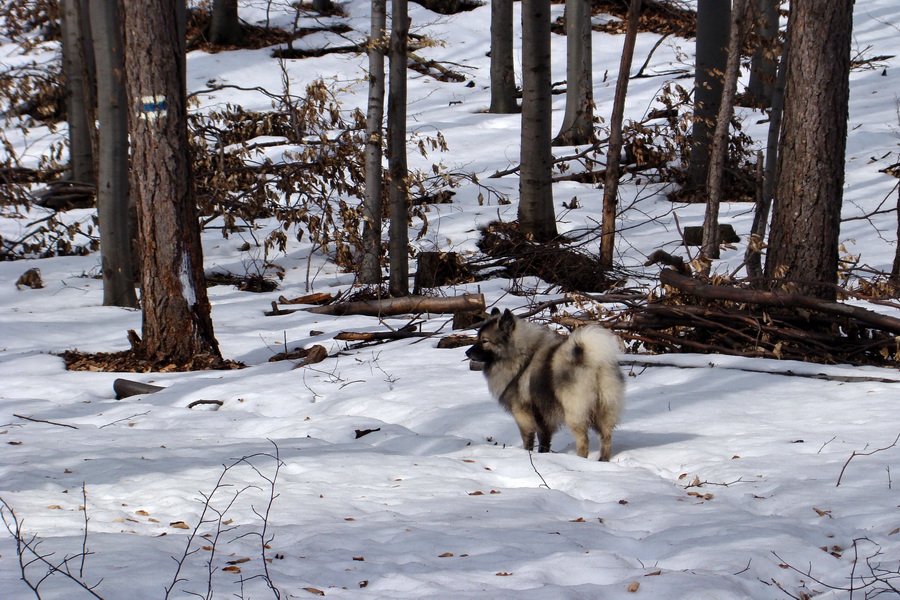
[696, 315]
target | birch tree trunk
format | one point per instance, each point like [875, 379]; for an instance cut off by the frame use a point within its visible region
[370, 264]
[177, 327]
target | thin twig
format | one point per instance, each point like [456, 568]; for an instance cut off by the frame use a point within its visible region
[855, 454]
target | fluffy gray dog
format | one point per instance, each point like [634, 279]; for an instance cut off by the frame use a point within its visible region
[544, 379]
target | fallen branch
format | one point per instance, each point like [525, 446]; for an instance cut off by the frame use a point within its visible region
[373, 336]
[405, 305]
[43, 421]
[855, 454]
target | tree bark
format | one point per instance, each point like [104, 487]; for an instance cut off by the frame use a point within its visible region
[578, 120]
[503, 75]
[753, 255]
[536, 213]
[224, 24]
[404, 305]
[397, 167]
[713, 17]
[764, 64]
[113, 207]
[611, 185]
[803, 245]
[709, 248]
[78, 74]
[177, 327]
[370, 264]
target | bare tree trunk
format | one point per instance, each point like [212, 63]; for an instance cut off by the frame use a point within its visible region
[112, 180]
[709, 248]
[578, 120]
[803, 245]
[503, 75]
[78, 73]
[536, 213]
[370, 265]
[753, 255]
[224, 25]
[177, 327]
[764, 64]
[398, 245]
[713, 17]
[611, 185]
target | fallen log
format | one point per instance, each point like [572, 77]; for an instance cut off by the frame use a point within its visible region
[125, 388]
[708, 291]
[406, 305]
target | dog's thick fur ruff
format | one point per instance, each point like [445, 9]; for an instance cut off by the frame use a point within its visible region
[545, 380]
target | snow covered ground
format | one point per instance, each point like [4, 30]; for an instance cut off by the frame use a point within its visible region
[724, 479]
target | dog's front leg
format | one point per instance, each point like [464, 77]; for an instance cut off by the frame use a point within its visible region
[527, 426]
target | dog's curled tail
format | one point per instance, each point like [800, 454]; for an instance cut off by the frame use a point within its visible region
[594, 346]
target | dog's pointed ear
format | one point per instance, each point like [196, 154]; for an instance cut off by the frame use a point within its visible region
[495, 312]
[507, 321]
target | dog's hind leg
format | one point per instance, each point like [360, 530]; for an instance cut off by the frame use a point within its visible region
[604, 425]
[579, 429]
[544, 434]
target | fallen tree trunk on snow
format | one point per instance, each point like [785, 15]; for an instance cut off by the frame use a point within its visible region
[404, 305]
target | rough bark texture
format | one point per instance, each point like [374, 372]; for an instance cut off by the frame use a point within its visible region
[503, 75]
[536, 214]
[710, 247]
[578, 120]
[803, 244]
[78, 71]
[224, 25]
[176, 326]
[611, 184]
[713, 17]
[113, 208]
[396, 148]
[370, 264]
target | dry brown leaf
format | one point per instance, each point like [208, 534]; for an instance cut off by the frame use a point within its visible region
[578, 520]
[445, 555]
[503, 574]
[238, 561]
[653, 573]
[142, 513]
[633, 586]
[179, 525]
[55, 507]
[315, 591]
[476, 493]
[232, 569]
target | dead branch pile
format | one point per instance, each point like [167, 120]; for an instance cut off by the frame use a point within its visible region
[570, 268]
[697, 316]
